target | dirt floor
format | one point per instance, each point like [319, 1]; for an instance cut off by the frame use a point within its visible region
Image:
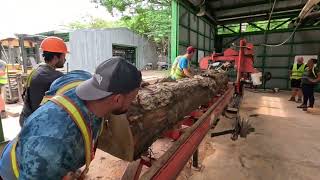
[154, 75]
[283, 146]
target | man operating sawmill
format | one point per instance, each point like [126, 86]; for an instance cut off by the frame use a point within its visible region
[60, 136]
[181, 65]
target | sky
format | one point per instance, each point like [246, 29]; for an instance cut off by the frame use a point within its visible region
[35, 16]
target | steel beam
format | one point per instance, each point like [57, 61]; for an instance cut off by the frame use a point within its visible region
[23, 53]
[215, 6]
[290, 58]
[259, 17]
[256, 26]
[265, 52]
[290, 19]
[174, 30]
[274, 31]
[263, 8]
[228, 28]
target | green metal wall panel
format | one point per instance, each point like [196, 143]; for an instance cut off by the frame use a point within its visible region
[174, 29]
[190, 30]
[278, 60]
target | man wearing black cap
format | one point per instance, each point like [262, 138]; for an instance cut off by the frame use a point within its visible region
[60, 136]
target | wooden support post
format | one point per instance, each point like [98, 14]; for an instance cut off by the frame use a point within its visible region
[23, 54]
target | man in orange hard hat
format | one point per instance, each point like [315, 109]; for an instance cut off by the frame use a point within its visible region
[39, 81]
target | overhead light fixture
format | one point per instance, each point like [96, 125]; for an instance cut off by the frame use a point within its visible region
[202, 10]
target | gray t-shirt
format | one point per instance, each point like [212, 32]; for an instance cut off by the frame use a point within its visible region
[40, 83]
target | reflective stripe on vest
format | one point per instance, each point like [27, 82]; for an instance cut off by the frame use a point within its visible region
[3, 79]
[297, 73]
[61, 90]
[13, 158]
[77, 117]
[174, 66]
[30, 78]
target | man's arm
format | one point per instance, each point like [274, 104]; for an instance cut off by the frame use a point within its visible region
[316, 80]
[290, 70]
[187, 72]
[184, 67]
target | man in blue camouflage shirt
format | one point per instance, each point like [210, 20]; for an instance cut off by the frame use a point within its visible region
[50, 145]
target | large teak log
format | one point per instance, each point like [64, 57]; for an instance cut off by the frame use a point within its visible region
[157, 108]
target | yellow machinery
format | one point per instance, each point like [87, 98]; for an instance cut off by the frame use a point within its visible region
[16, 81]
[18, 72]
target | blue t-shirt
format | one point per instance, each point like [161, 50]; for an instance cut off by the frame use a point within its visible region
[183, 63]
[50, 144]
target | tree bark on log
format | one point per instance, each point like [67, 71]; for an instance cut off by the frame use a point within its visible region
[159, 107]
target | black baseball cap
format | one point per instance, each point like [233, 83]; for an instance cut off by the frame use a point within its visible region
[113, 76]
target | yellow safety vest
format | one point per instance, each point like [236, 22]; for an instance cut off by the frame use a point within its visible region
[4, 77]
[28, 83]
[297, 73]
[61, 91]
[69, 106]
[176, 72]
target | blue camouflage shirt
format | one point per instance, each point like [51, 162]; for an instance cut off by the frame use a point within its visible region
[50, 144]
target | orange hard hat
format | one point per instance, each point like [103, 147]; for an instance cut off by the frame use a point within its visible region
[54, 44]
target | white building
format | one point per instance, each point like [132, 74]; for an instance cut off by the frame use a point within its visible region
[88, 48]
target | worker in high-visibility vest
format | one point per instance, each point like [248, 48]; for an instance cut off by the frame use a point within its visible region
[310, 78]
[296, 72]
[181, 65]
[39, 81]
[3, 82]
[60, 136]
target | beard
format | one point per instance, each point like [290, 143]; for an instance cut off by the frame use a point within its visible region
[60, 64]
[119, 111]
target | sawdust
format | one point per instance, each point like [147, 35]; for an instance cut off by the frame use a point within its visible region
[107, 167]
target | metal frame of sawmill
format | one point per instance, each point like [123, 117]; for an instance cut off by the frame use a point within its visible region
[264, 55]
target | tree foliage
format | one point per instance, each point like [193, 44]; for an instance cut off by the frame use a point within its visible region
[93, 23]
[150, 18]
